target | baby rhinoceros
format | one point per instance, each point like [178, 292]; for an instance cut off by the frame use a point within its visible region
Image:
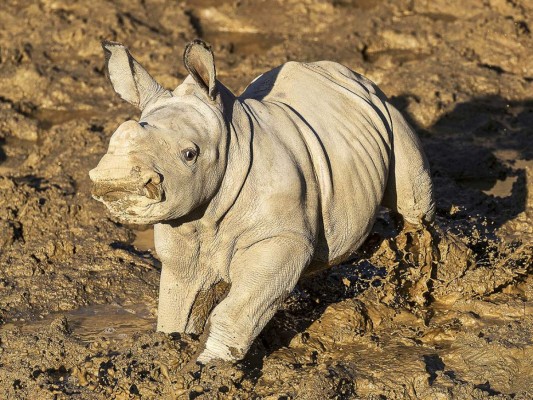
[249, 193]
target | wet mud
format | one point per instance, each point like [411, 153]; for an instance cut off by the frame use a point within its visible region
[443, 312]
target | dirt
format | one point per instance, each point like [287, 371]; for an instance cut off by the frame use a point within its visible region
[443, 312]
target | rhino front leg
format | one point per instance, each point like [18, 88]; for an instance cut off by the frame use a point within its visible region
[262, 277]
[178, 298]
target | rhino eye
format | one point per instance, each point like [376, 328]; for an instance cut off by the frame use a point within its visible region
[189, 154]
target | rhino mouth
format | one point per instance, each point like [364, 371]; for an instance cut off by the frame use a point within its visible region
[111, 191]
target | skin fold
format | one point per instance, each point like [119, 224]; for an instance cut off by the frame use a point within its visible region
[248, 193]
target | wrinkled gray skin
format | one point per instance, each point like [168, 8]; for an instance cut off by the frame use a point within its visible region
[251, 192]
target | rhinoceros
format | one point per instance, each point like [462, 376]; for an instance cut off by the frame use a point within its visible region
[250, 193]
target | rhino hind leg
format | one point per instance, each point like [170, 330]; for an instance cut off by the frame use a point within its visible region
[409, 190]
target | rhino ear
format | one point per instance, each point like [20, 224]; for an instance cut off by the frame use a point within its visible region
[129, 79]
[200, 62]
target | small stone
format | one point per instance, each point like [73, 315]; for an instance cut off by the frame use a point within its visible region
[164, 371]
[198, 389]
[180, 382]
[179, 392]
[82, 379]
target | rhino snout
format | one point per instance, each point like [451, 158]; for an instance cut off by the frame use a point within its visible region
[146, 184]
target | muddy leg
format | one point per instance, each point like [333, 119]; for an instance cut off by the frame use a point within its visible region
[177, 295]
[262, 277]
[203, 304]
[409, 189]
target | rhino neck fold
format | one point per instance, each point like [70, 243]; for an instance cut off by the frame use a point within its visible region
[238, 158]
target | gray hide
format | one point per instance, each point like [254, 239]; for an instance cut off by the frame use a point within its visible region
[250, 192]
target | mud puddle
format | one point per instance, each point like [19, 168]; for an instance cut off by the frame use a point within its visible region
[144, 239]
[111, 321]
[398, 55]
[358, 4]
[243, 43]
[48, 118]
[499, 188]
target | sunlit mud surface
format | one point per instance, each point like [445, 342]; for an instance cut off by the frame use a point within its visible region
[438, 313]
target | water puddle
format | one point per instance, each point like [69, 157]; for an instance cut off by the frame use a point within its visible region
[144, 239]
[48, 117]
[439, 16]
[360, 4]
[210, 3]
[498, 188]
[243, 43]
[112, 321]
[502, 187]
[399, 55]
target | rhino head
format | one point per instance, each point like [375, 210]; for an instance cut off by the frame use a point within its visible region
[173, 159]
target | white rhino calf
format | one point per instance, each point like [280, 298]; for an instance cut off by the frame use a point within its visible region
[250, 192]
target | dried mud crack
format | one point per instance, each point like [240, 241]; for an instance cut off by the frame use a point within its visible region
[438, 313]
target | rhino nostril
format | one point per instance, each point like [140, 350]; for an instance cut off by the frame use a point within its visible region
[151, 186]
[151, 190]
[152, 177]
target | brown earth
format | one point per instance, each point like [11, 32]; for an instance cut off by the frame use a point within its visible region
[439, 313]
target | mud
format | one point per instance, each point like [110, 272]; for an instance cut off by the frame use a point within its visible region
[438, 313]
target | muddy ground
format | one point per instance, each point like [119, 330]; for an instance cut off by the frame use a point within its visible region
[440, 313]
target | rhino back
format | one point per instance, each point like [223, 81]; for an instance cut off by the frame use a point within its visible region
[342, 118]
